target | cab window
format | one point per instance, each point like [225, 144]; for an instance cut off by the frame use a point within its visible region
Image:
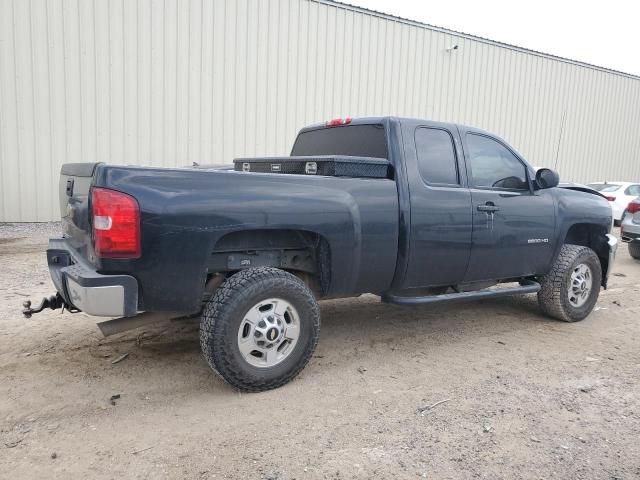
[494, 166]
[436, 156]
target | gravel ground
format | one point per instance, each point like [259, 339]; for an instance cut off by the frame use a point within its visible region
[30, 232]
[491, 389]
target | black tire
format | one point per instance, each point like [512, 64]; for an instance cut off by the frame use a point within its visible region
[553, 296]
[224, 312]
[634, 250]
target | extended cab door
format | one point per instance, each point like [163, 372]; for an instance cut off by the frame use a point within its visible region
[513, 225]
[440, 230]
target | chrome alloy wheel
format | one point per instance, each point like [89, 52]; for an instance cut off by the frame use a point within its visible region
[269, 332]
[581, 284]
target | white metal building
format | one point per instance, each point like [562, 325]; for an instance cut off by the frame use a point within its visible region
[170, 82]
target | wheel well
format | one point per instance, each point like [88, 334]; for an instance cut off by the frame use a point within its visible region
[303, 253]
[594, 237]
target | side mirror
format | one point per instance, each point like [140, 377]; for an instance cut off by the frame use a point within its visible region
[547, 178]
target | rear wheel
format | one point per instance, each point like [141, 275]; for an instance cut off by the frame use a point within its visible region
[634, 250]
[570, 290]
[260, 328]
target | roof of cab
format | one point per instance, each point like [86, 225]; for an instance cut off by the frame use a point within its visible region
[375, 120]
[389, 118]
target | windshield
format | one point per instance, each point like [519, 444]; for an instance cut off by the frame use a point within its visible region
[352, 140]
[604, 187]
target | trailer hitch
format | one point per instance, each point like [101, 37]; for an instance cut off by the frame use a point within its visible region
[53, 302]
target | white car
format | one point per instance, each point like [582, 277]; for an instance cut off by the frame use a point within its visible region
[619, 195]
[630, 228]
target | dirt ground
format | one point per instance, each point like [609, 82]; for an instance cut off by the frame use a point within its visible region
[522, 396]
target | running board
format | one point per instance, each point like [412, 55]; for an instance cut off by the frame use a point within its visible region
[526, 286]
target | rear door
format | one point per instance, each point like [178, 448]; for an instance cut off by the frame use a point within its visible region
[513, 225]
[440, 232]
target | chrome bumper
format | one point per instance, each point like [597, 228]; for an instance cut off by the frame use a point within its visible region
[87, 290]
[612, 241]
[104, 301]
[630, 229]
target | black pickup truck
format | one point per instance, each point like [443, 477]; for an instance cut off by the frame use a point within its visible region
[415, 211]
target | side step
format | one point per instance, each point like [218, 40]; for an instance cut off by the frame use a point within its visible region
[526, 286]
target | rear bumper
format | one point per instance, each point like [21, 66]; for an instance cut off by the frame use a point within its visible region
[87, 290]
[629, 230]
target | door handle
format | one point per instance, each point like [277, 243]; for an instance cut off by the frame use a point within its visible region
[488, 207]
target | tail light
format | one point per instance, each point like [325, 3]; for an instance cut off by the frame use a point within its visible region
[633, 207]
[610, 198]
[116, 224]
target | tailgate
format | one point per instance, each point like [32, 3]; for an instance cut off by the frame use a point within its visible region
[73, 192]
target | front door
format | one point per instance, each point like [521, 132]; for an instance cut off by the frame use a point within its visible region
[513, 225]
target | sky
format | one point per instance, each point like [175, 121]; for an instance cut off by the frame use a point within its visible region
[603, 33]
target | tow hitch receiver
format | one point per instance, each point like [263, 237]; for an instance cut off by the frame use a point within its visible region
[53, 302]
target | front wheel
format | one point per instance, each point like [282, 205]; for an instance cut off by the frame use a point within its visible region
[260, 328]
[570, 290]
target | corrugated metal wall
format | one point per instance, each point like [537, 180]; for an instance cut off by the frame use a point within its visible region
[168, 82]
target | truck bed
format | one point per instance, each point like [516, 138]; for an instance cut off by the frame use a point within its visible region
[187, 213]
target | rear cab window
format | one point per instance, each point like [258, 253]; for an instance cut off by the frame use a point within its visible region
[436, 154]
[368, 140]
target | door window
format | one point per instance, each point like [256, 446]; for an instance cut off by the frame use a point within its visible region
[436, 156]
[494, 166]
[633, 190]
